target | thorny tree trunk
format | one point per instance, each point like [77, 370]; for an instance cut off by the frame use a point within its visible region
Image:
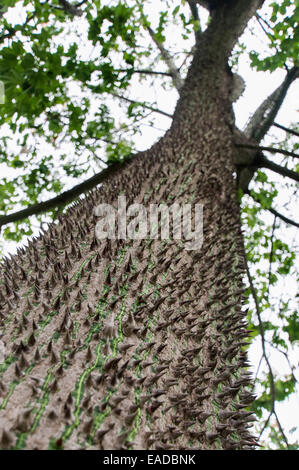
[138, 344]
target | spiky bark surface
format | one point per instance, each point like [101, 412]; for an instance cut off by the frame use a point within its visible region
[130, 344]
[136, 344]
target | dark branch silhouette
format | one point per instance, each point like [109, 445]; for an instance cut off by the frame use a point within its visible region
[286, 129]
[271, 375]
[65, 197]
[139, 103]
[269, 149]
[173, 70]
[144, 71]
[287, 220]
[264, 116]
[263, 162]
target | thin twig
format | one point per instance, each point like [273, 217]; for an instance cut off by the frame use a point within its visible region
[13, 31]
[271, 375]
[269, 149]
[286, 129]
[268, 34]
[258, 368]
[173, 70]
[263, 162]
[275, 212]
[144, 71]
[283, 217]
[66, 196]
[262, 332]
[271, 254]
[139, 103]
[286, 357]
[281, 430]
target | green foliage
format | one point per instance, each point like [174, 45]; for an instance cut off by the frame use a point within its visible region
[282, 28]
[48, 91]
[292, 328]
[271, 259]
[283, 389]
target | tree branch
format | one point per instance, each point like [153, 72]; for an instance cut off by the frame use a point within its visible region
[269, 149]
[262, 332]
[260, 20]
[209, 4]
[13, 31]
[194, 11]
[286, 129]
[292, 368]
[264, 116]
[146, 72]
[66, 196]
[155, 110]
[228, 21]
[281, 430]
[79, 4]
[274, 211]
[209, 66]
[263, 162]
[173, 70]
[283, 217]
[271, 255]
[72, 10]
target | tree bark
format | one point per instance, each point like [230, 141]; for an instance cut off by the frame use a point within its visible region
[139, 343]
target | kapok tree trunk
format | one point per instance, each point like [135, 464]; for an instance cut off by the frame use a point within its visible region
[137, 343]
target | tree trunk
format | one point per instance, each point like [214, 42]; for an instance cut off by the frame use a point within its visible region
[136, 343]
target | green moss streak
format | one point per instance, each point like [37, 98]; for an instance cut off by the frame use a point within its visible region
[8, 361]
[12, 387]
[79, 393]
[21, 442]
